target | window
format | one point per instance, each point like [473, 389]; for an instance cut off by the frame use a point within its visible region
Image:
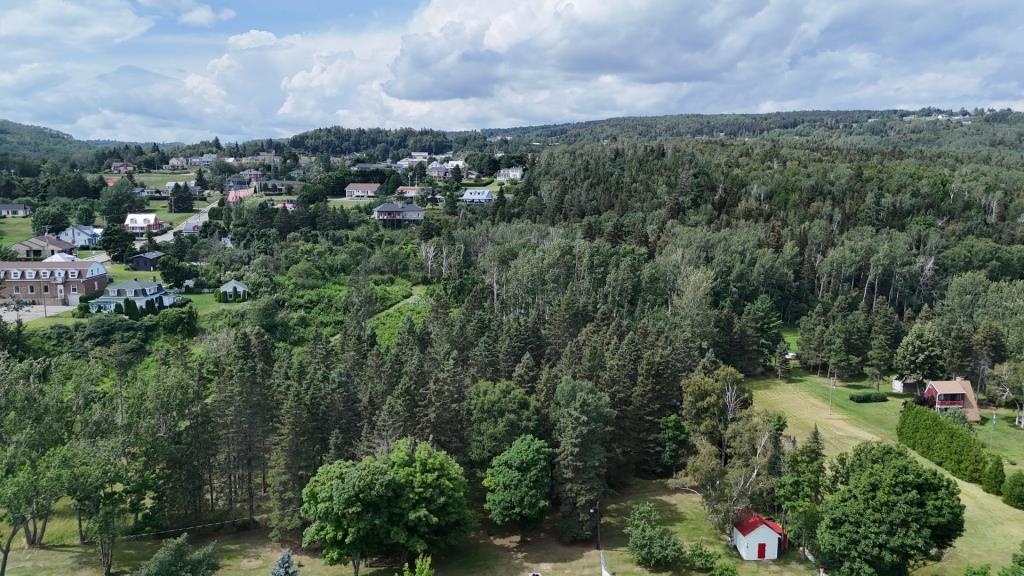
[74, 288]
[31, 289]
[30, 275]
[46, 288]
[17, 289]
[45, 274]
[73, 274]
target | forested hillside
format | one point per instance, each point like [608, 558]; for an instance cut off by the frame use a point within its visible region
[386, 390]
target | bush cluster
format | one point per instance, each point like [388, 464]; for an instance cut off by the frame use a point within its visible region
[944, 442]
[864, 397]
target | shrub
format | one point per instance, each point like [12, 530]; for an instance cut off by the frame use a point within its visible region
[865, 397]
[651, 545]
[944, 442]
[1013, 490]
[700, 558]
[994, 477]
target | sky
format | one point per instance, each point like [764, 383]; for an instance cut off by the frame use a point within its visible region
[186, 70]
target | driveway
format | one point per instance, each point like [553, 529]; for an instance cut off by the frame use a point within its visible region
[29, 313]
[196, 219]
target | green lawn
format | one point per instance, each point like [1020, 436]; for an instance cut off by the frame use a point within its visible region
[804, 400]
[387, 323]
[490, 551]
[14, 230]
[153, 179]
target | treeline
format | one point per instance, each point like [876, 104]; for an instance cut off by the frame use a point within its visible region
[952, 445]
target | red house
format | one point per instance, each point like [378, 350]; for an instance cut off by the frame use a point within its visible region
[955, 394]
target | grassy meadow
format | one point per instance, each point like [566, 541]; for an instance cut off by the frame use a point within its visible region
[14, 230]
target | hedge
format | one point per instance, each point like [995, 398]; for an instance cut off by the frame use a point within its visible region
[863, 397]
[943, 442]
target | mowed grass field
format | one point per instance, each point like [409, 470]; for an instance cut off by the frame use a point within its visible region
[14, 230]
[993, 530]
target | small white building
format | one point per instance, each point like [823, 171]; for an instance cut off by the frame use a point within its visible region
[234, 289]
[361, 190]
[758, 538]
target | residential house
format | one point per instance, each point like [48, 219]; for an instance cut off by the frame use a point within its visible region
[141, 292]
[15, 210]
[251, 175]
[269, 158]
[361, 190]
[234, 290]
[437, 170]
[477, 196]
[510, 174]
[420, 155]
[81, 235]
[122, 167]
[364, 167]
[908, 385]
[147, 192]
[412, 192]
[202, 161]
[275, 186]
[289, 206]
[407, 163]
[145, 262]
[169, 187]
[758, 538]
[139, 223]
[51, 283]
[460, 164]
[397, 213]
[298, 173]
[39, 247]
[177, 163]
[956, 394]
[236, 182]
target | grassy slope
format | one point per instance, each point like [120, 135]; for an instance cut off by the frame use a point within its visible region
[14, 230]
[387, 323]
[804, 401]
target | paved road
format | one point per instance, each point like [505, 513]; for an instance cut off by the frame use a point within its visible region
[30, 313]
[198, 218]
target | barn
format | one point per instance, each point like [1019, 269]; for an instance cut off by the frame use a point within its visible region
[758, 538]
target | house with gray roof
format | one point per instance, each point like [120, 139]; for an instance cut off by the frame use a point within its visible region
[397, 213]
[142, 292]
[15, 210]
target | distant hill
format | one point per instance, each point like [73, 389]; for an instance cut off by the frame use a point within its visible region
[38, 142]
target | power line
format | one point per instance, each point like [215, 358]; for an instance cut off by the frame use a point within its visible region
[147, 534]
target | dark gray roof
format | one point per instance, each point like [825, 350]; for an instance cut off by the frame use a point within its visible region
[134, 285]
[153, 255]
[13, 206]
[396, 207]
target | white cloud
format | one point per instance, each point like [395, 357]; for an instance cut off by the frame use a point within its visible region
[458, 64]
[203, 15]
[252, 39]
[65, 23]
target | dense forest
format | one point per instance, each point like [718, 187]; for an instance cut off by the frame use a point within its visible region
[599, 322]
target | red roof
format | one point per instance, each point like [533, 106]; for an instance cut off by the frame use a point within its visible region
[752, 521]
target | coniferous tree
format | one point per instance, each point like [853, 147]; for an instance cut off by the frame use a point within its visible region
[580, 414]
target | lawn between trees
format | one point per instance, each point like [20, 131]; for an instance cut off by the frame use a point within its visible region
[993, 531]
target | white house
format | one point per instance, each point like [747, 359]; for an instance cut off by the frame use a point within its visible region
[234, 288]
[437, 170]
[477, 196]
[204, 160]
[141, 292]
[508, 174]
[396, 213]
[81, 235]
[757, 538]
[142, 222]
[15, 210]
[361, 190]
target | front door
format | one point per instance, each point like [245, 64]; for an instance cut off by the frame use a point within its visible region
[761, 550]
